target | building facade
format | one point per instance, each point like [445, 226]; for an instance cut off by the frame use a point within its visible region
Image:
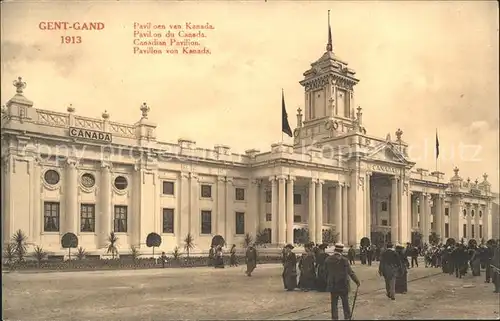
[66, 173]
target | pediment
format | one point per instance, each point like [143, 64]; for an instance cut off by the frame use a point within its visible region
[387, 152]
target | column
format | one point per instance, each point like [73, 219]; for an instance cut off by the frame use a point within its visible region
[105, 206]
[137, 203]
[230, 215]
[425, 214]
[194, 210]
[274, 210]
[469, 222]
[438, 216]
[487, 230]
[262, 204]
[220, 213]
[281, 210]
[454, 218]
[421, 203]
[394, 210]
[71, 206]
[289, 210]
[368, 214]
[403, 218]
[442, 229]
[476, 225]
[337, 218]
[345, 215]
[253, 217]
[414, 212]
[319, 211]
[409, 206]
[6, 200]
[312, 211]
[37, 205]
[184, 209]
[331, 206]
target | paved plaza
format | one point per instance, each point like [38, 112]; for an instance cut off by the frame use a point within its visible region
[207, 293]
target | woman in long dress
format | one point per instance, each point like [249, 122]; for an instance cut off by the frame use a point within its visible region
[402, 277]
[475, 262]
[289, 269]
[232, 257]
[307, 280]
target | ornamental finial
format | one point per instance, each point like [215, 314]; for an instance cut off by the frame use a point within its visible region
[485, 177]
[456, 170]
[105, 115]
[399, 133]
[70, 108]
[145, 110]
[19, 84]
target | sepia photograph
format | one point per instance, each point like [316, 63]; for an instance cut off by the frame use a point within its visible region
[250, 160]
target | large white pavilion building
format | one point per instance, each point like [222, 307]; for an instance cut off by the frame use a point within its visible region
[66, 173]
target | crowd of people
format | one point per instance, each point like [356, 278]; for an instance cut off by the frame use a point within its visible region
[316, 270]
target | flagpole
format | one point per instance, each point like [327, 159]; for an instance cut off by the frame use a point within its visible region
[436, 150]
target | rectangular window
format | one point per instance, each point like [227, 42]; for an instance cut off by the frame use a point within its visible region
[465, 230]
[446, 211]
[168, 220]
[432, 226]
[87, 217]
[269, 217]
[384, 222]
[206, 191]
[446, 230]
[297, 199]
[418, 224]
[168, 188]
[240, 194]
[240, 223]
[51, 216]
[480, 231]
[120, 221]
[206, 222]
[269, 196]
[297, 219]
[384, 206]
[472, 231]
[418, 209]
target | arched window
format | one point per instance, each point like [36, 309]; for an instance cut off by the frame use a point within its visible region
[472, 213]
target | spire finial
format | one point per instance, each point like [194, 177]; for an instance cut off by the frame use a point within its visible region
[329, 45]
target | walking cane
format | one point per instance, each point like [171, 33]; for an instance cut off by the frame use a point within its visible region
[354, 301]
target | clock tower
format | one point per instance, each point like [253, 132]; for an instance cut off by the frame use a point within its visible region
[329, 99]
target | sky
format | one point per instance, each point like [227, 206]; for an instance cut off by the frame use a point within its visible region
[423, 66]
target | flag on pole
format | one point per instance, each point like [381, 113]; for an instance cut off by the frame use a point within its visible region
[437, 145]
[285, 126]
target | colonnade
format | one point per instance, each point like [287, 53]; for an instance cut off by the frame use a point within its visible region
[282, 208]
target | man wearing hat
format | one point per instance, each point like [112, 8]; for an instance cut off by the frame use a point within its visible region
[321, 268]
[338, 273]
[289, 269]
[390, 267]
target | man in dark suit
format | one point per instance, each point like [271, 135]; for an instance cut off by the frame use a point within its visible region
[338, 273]
[390, 267]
